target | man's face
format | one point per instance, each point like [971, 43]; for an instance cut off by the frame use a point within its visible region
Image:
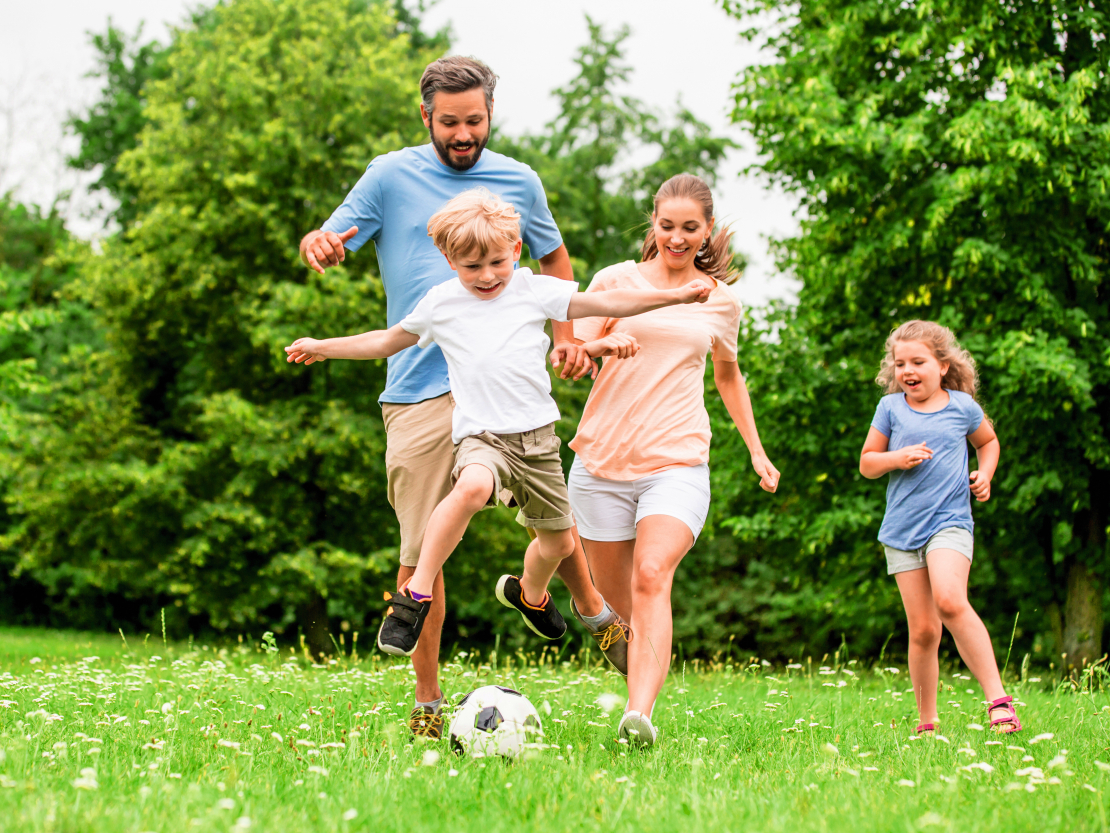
[459, 127]
[486, 276]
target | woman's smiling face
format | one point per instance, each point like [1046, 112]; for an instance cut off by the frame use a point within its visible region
[680, 231]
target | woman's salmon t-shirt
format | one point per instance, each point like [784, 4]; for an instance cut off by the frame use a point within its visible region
[647, 413]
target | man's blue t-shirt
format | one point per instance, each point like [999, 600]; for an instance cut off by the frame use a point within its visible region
[936, 494]
[391, 205]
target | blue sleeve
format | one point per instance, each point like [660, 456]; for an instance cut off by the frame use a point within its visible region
[362, 208]
[881, 420]
[541, 234]
[975, 415]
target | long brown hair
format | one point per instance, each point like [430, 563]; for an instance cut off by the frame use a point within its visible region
[942, 342]
[715, 257]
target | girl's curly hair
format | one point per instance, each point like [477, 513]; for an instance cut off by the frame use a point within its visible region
[961, 375]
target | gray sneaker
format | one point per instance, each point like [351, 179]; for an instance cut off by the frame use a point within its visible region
[612, 637]
[636, 728]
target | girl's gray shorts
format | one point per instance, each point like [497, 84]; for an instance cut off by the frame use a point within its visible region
[954, 538]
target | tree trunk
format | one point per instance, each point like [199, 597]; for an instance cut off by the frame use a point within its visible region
[313, 619]
[1083, 620]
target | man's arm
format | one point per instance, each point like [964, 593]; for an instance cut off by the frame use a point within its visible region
[575, 362]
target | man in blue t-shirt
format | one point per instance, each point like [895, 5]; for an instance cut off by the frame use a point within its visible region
[391, 205]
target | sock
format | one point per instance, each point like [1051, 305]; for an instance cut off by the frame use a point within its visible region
[596, 622]
[541, 602]
[420, 597]
[434, 705]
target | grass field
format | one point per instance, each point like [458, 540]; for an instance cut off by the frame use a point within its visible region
[96, 736]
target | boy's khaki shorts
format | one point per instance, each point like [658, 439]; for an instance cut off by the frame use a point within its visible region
[527, 465]
[419, 455]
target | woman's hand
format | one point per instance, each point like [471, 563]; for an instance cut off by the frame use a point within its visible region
[305, 350]
[614, 345]
[768, 474]
[980, 486]
[912, 456]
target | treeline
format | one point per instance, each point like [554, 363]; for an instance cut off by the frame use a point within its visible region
[158, 453]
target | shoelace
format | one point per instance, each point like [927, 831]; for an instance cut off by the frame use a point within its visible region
[424, 724]
[608, 637]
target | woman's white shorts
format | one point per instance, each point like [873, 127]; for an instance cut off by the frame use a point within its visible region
[608, 510]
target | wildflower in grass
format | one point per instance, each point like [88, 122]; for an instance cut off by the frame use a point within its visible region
[1043, 736]
[451, 773]
[243, 822]
[975, 727]
[230, 744]
[906, 782]
[431, 758]
[226, 804]
[1104, 767]
[1059, 761]
[830, 750]
[87, 781]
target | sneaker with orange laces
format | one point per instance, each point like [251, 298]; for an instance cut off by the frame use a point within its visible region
[543, 619]
[613, 636]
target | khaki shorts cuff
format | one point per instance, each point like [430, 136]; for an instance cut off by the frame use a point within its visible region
[554, 524]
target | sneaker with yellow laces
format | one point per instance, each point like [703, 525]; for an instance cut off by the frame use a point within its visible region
[426, 722]
[612, 635]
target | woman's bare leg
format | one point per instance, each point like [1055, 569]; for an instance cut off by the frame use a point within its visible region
[661, 543]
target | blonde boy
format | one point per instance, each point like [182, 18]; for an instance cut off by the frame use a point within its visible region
[490, 326]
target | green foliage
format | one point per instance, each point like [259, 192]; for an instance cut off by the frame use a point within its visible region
[194, 467]
[591, 157]
[952, 162]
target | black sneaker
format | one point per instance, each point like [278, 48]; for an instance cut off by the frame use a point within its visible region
[545, 621]
[404, 620]
[426, 722]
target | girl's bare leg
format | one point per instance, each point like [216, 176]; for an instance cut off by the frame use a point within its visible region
[661, 543]
[611, 566]
[925, 632]
[948, 572]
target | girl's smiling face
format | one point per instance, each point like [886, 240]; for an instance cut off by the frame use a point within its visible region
[917, 371]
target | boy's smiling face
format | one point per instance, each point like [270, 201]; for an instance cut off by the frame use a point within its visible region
[486, 276]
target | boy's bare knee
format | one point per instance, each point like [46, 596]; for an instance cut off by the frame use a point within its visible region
[474, 486]
[555, 545]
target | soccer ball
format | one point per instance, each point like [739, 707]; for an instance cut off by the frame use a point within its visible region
[494, 720]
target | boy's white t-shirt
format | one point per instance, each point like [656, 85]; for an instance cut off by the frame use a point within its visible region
[496, 350]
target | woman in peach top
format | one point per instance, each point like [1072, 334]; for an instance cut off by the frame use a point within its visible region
[639, 486]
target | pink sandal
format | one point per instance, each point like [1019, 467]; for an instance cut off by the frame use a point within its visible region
[1010, 719]
[926, 727]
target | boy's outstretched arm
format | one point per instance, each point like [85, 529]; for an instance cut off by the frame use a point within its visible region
[376, 344]
[622, 303]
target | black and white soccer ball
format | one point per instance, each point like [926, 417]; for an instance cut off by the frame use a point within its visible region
[494, 720]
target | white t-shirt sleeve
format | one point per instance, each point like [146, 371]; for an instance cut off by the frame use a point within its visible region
[419, 321]
[553, 294]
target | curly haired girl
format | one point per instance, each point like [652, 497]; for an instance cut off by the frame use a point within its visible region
[919, 436]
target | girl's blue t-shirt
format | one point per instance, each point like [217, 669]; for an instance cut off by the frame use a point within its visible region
[391, 205]
[936, 494]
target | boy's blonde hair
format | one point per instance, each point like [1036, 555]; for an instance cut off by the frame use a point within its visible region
[475, 221]
[941, 341]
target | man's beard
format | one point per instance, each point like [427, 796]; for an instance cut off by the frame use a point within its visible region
[453, 161]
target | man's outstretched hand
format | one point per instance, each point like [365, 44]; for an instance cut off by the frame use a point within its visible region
[321, 249]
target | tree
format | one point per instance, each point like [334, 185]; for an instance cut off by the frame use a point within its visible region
[197, 469]
[952, 162]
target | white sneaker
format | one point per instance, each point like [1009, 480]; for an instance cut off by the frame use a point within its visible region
[636, 728]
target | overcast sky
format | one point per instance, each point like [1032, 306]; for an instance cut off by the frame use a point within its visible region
[689, 50]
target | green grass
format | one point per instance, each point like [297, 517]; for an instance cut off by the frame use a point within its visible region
[173, 737]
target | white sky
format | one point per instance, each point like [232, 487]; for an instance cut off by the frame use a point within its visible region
[689, 50]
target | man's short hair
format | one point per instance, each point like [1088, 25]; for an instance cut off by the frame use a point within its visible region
[456, 74]
[474, 222]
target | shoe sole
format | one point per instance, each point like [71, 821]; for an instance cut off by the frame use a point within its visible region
[643, 739]
[390, 649]
[500, 593]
